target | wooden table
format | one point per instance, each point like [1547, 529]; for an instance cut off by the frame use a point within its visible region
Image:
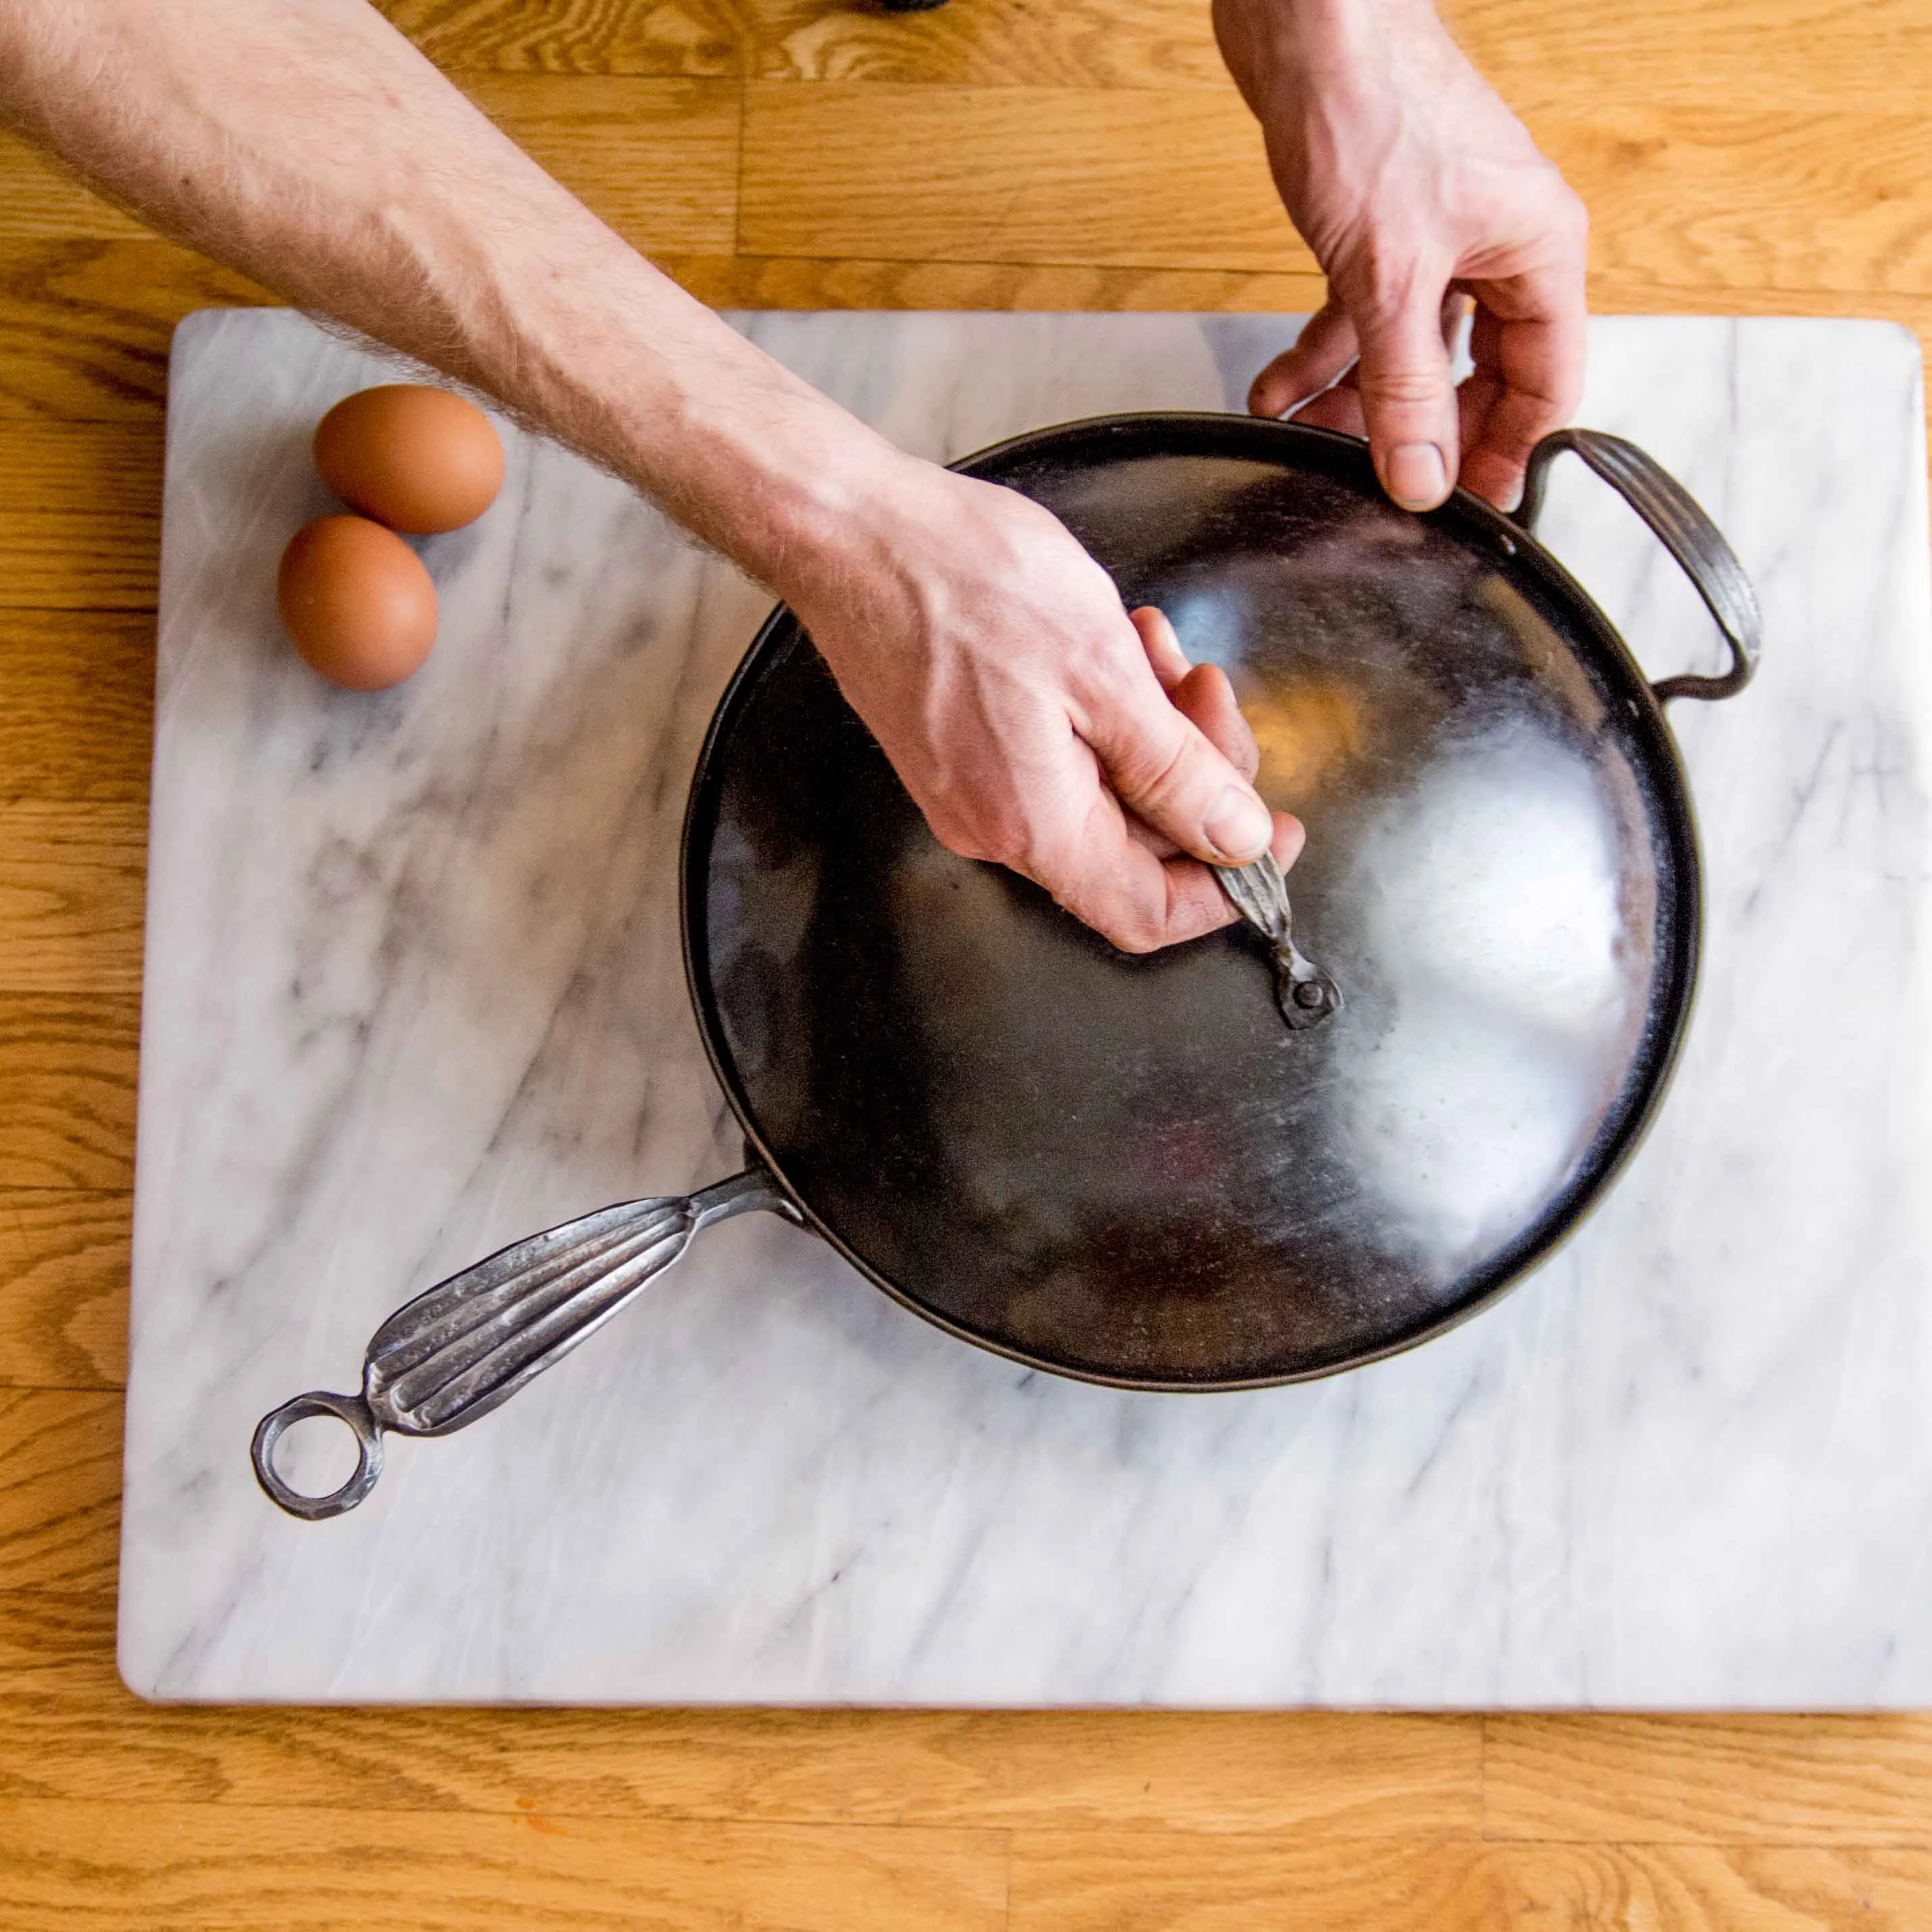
[1769, 156]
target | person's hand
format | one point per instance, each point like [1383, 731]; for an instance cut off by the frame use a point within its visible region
[1414, 186]
[1032, 720]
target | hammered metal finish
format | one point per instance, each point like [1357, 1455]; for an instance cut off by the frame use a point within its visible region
[460, 1348]
[1305, 994]
[1672, 515]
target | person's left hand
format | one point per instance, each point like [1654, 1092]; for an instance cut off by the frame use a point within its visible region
[1418, 191]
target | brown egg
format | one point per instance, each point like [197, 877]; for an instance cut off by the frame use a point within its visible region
[357, 601]
[416, 458]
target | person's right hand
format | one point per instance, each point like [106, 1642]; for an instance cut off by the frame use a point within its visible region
[1411, 181]
[1032, 720]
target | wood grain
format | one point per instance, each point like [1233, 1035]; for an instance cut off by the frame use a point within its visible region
[84, 324]
[64, 1261]
[1138, 44]
[1687, 1780]
[1726, 197]
[60, 1489]
[41, 1629]
[1025, 174]
[1776, 53]
[80, 515]
[40, 198]
[657, 159]
[76, 704]
[1731, 197]
[72, 893]
[1779, 54]
[642, 37]
[196, 1866]
[67, 1091]
[767, 281]
[1153, 1883]
[68, 1730]
[1541, 57]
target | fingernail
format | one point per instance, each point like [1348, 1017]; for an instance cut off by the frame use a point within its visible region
[1416, 476]
[1238, 825]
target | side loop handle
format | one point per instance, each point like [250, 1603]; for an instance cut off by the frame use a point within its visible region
[1672, 515]
[349, 1408]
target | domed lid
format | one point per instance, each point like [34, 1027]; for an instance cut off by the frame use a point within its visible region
[1131, 1168]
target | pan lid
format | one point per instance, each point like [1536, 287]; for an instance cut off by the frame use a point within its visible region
[1130, 1168]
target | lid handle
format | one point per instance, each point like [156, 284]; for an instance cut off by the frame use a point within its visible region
[1305, 994]
[471, 1341]
[1672, 516]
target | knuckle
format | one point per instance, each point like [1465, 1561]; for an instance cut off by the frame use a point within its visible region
[1002, 843]
[962, 844]
[1153, 774]
[1127, 924]
[1098, 668]
[1386, 281]
[970, 836]
[1400, 388]
[1135, 934]
[1575, 219]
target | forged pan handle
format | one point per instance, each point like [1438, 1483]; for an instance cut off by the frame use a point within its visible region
[470, 1342]
[1674, 518]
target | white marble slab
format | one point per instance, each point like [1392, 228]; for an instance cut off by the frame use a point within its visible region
[413, 989]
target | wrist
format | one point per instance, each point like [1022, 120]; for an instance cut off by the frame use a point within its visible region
[1295, 47]
[623, 364]
[817, 497]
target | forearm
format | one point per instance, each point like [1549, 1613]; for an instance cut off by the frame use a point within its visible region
[307, 142]
[1270, 45]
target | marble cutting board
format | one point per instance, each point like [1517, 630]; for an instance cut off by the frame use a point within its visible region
[413, 990]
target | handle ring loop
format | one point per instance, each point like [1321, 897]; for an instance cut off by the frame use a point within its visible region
[349, 1408]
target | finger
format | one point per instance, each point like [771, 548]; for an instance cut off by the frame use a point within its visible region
[1475, 403]
[1169, 661]
[1339, 408]
[1163, 769]
[1321, 353]
[1408, 401]
[1197, 901]
[1528, 342]
[1203, 695]
[1207, 700]
[1078, 843]
[1137, 901]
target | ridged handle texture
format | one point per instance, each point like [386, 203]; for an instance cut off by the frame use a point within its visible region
[464, 1346]
[1672, 515]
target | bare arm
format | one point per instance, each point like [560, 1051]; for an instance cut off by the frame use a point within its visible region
[306, 142]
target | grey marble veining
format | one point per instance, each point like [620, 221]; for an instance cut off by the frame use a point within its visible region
[413, 990]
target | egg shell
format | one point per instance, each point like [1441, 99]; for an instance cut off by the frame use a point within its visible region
[357, 602]
[415, 457]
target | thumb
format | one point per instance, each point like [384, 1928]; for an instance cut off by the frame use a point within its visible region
[1165, 771]
[1408, 399]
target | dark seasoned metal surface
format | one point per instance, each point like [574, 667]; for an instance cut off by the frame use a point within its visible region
[1128, 1168]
